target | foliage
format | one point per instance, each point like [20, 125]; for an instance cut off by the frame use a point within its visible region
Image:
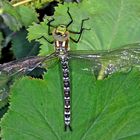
[25, 48]
[107, 109]
[112, 26]
[13, 19]
[102, 110]
[1, 38]
[34, 3]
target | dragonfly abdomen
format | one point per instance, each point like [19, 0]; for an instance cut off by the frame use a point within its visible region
[66, 82]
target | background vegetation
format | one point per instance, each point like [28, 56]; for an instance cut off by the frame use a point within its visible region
[101, 110]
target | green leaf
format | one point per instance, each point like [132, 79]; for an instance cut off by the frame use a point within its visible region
[27, 14]
[35, 32]
[21, 47]
[16, 17]
[1, 39]
[113, 24]
[10, 16]
[5, 82]
[102, 110]
[2, 106]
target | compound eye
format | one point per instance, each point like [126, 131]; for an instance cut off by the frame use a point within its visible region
[58, 33]
[62, 26]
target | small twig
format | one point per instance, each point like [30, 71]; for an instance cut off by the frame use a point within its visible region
[22, 2]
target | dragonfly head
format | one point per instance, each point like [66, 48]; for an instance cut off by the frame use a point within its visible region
[61, 29]
[61, 33]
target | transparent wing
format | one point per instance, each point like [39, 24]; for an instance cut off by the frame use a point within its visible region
[15, 69]
[104, 63]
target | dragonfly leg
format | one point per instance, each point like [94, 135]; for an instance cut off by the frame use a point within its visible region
[51, 42]
[81, 28]
[71, 20]
[80, 32]
[50, 25]
[76, 41]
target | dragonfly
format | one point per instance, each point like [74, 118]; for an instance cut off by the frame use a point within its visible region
[103, 63]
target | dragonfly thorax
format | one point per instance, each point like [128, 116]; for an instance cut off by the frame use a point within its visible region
[61, 36]
[61, 47]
